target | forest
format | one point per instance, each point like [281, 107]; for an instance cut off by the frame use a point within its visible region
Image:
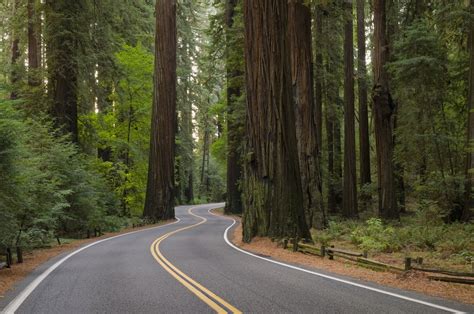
[325, 120]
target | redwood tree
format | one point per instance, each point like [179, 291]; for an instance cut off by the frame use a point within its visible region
[159, 201]
[349, 199]
[15, 55]
[234, 136]
[62, 62]
[383, 111]
[364, 154]
[299, 22]
[34, 46]
[272, 184]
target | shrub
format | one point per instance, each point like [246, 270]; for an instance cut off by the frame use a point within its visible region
[374, 236]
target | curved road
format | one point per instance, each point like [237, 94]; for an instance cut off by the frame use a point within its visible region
[189, 267]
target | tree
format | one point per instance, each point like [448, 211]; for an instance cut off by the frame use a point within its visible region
[383, 115]
[299, 29]
[272, 184]
[319, 76]
[63, 67]
[15, 55]
[34, 44]
[349, 208]
[333, 66]
[234, 128]
[364, 153]
[159, 201]
[469, 181]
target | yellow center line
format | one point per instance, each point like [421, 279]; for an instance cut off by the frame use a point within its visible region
[185, 280]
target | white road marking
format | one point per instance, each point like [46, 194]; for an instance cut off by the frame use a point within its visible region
[440, 307]
[13, 306]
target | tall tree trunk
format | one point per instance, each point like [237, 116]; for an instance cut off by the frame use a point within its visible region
[187, 129]
[159, 201]
[318, 78]
[332, 203]
[62, 64]
[299, 23]
[337, 157]
[398, 169]
[205, 161]
[15, 55]
[349, 208]
[234, 136]
[272, 185]
[469, 181]
[34, 55]
[383, 116]
[364, 155]
[333, 133]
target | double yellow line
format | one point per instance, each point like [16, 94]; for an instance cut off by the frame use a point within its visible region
[215, 302]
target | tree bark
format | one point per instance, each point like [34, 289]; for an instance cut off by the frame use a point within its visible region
[333, 129]
[62, 64]
[159, 201]
[349, 199]
[318, 79]
[34, 55]
[383, 116]
[15, 55]
[272, 184]
[469, 174]
[299, 30]
[234, 136]
[364, 154]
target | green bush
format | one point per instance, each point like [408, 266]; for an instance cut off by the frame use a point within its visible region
[48, 187]
[374, 236]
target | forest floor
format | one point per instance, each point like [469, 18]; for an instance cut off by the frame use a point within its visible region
[411, 280]
[32, 259]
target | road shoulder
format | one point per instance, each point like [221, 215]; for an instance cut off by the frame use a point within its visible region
[412, 281]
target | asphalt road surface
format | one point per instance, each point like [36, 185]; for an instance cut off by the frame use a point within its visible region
[190, 267]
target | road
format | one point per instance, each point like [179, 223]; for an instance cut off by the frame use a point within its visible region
[189, 267]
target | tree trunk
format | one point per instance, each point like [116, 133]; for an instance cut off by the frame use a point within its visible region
[187, 129]
[469, 182]
[398, 169]
[333, 133]
[349, 208]
[332, 204]
[234, 136]
[272, 184]
[159, 201]
[318, 79]
[337, 158]
[383, 115]
[34, 55]
[363, 111]
[62, 64]
[299, 23]
[15, 55]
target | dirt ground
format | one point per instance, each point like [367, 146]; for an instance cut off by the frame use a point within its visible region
[412, 280]
[10, 276]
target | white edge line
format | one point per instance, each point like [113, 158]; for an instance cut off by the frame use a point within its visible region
[440, 307]
[21, 297]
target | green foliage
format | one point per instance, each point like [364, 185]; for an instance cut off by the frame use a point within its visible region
[124, 128]
[424, 231]
[430, 122]
[48, 187]
[374, 236]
